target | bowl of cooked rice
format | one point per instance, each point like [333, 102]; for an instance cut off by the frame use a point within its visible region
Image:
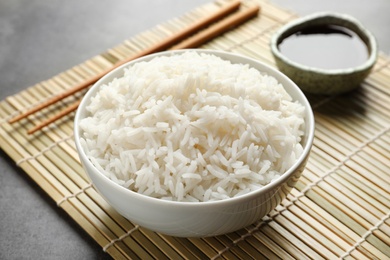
[194, 143]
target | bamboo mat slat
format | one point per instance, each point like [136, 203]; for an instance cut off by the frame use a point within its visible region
[339, 209]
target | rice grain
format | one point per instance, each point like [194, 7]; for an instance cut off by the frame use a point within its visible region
[192, 127]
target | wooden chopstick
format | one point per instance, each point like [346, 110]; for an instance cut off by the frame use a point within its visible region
[162, 45]
[192, 42]
[50, 120]
[218, 28]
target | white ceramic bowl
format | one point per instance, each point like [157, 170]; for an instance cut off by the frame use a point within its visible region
[198, 219]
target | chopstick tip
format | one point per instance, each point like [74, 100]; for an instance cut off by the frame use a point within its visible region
[15, 118]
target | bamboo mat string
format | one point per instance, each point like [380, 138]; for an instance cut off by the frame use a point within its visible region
[263, 32]
[39, 102]
[219, 254]
[260, 34]
[50, 147]
[73, 195]
[5, 119]
[18, 111]
[303, 192]
[367, 136]
[366, 235]
[311, 185]
[112, 242]
[322, 102]
[242, 237]
[341, 163]
[332, 170]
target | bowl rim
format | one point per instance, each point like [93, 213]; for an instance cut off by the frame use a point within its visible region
[360, 29]
[309, 120]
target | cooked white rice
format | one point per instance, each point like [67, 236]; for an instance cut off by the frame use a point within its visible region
[192, 127]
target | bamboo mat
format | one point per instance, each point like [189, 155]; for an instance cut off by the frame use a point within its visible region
[340, 207]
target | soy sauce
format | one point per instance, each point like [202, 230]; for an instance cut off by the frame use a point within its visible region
[325, 47]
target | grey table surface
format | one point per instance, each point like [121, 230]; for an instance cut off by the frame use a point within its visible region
[39, 39]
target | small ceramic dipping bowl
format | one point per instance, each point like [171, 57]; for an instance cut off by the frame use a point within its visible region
[317, 80]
